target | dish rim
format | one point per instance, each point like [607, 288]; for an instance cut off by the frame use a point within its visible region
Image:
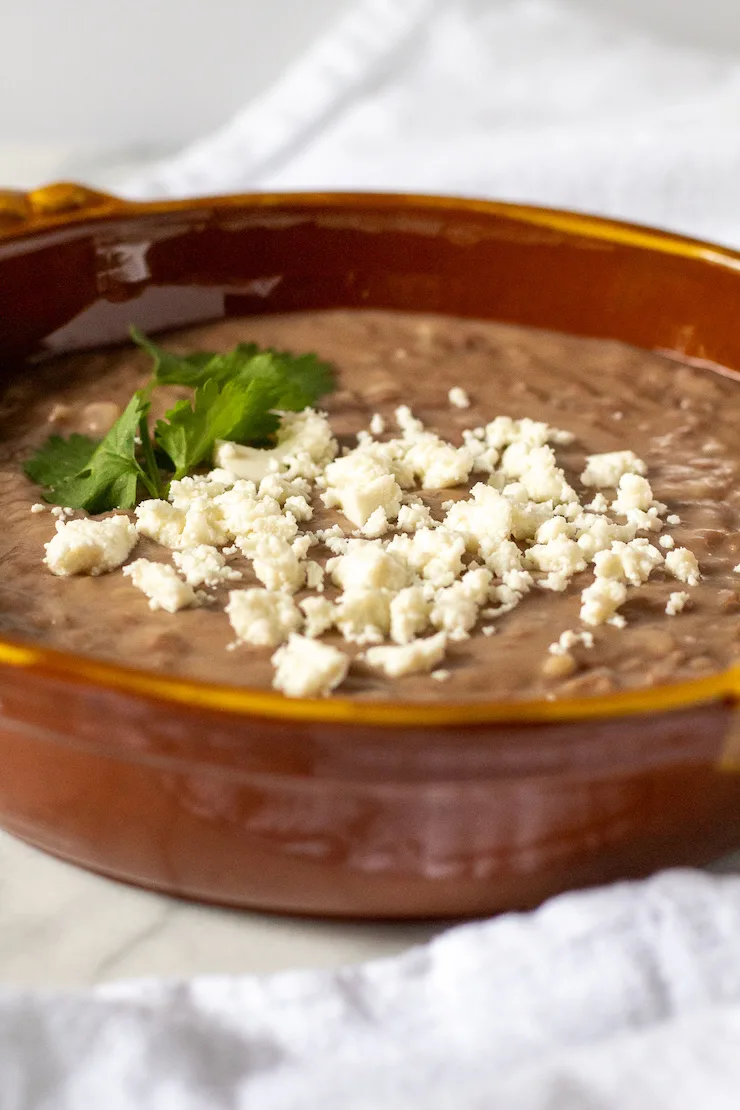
[23, 215]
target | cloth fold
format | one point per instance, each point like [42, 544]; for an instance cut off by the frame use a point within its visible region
[530, 100]
[625, 997]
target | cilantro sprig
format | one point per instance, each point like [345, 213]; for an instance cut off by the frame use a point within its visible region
[237, 396]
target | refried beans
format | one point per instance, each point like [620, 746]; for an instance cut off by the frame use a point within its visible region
[680, 420]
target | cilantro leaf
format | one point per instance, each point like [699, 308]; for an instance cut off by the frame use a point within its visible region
[60, 459]
[226, 367]
[296, 381]
[238, 411]
[109, 478]
[237, 396]
[172, 369]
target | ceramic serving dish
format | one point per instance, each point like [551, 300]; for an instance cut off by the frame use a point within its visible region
[333, 807]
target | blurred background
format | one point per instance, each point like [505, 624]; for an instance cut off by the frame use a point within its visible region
[91, 87]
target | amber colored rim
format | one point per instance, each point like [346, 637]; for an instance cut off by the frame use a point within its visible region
[63, 204]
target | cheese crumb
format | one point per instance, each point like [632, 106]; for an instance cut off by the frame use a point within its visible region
[304, 443]
[571, 639]
[261, 617]
[440, 675]
[455, 610]
[667, 542]
[605, 471]
[186, 491]
[204, 565]
[90, 546]
[305, 668]
[204, 524]
[485, 520]
[314, 576]
[420, 655]
[39, 508]
[367, 566]
[413, 517]
[376, 525]
[160, 521]
[552, 528]
[242, 515]
[683, 565]
[536, 468]
[598, 504]
[161, 584]
[645, 520]
[323, 535]
[280, 487]
[377, 424]
[276, 563]
[359, 484]
[458, 398]
[436, 554]
[676, 603]
[484, 457]
[600, 600]
[560, 556]
[436, 463]
[633, 492]
[409, 614]
[319, 613]
[298, 506]
[633, 562]
[363, 616]
[596, 533]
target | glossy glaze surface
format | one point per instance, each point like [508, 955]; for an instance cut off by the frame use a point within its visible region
[380, 810]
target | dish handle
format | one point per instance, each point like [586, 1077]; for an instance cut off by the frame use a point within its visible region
[19, 209]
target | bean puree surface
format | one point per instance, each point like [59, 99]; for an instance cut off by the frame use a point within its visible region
[682, 421]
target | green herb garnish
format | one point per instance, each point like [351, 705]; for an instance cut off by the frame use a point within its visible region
[235, 411]
[237, 397]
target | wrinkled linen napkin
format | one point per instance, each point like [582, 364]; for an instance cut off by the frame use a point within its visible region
[626, 998]
[531, 100]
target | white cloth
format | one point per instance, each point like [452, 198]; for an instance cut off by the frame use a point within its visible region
[531, 100]
[627, 998]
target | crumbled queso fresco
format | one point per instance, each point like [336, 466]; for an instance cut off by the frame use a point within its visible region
[406, 584]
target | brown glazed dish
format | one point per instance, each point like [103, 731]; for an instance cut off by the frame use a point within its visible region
[339, 807]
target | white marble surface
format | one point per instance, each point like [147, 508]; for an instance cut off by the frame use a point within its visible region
[62, 926]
